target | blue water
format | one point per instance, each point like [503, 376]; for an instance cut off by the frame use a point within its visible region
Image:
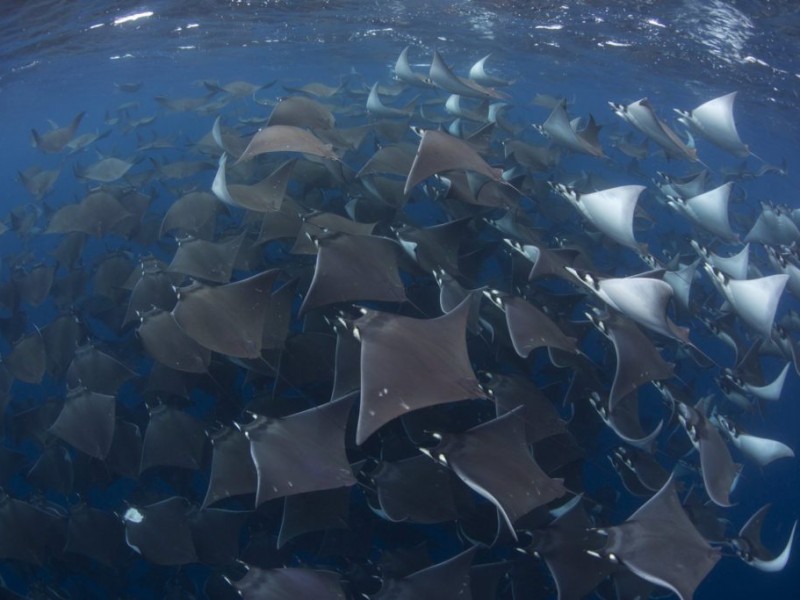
[60, 58]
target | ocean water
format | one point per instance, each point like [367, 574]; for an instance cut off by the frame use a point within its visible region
[58, 59]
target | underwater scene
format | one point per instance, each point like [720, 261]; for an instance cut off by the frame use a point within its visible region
[399, 300]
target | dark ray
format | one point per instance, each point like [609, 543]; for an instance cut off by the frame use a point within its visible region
[97, 214]
[660, 544]
[265, 196]
[303, 452]
[638, 360]
[541, 418]
[27, 360]
[233, 472]
[97, 534]
[563, 545]
[154, 289]
[87, 422]
[125, 454]
[209, 261]
[228, 319]
[28, 533]
[435, 248]
[314, 511]
[53, 470]
[216, 533]
[398, 487]
[173, 438]
[192, 214]
[719, 470]
[354, 268]
[166, 343]
[299, 111]
[286, 138]
[529, 327]
[34, 285]
[493, 459]
[408, 363]
[97, 371]
[439, 152]
[448, 580]
[161, 532]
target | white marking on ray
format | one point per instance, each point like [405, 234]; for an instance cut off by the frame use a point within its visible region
[780, 561]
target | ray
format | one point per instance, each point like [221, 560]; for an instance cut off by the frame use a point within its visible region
[29, 533]
[774, 226]
[623, 419]
[529, 327]
[208, 261]
[301, 111]
[714, 121]
[408, 363]
[610, 210]
[161, 532]
[563, 545]
[403, 72]
[398, 484]
[541, 418]
[97, 371]
[265, 196]
[438, 152]
[686, 186]
[638, 360]
[96, 534]
[27, 360]
[286, 138]
[641, 299]
[560, 130]
[376, 107]
[86, 422]
[216, 533]
[173, 438]
[443, 77]
[165, 342]
[754, 300]
[641, 115]
[125, 453]
[448, 580]
[289, 584]
[97, 214]
[482, 458]
[314, 511]
[750, 549]
[394, 159]
[718, 469]
[437, 247]
[303, 452]
[153, 290]
[354, 268]
[192, 214]
[760, 450]
[233, 472]
[228, 319]
[680, 280]
[105, 170]
[55, 140]
[644, 466]
[660, 544]
[478, 74]
[34, 286]
[708, 210]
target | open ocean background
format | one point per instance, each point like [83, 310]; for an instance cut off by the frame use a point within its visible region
[60, 58]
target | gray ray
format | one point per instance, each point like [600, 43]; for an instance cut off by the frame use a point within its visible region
[760, 450]
[641, 115]
[714, 121]
[477, 73]
[560, 130]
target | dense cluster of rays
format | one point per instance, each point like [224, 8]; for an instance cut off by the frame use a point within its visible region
[366, 339]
